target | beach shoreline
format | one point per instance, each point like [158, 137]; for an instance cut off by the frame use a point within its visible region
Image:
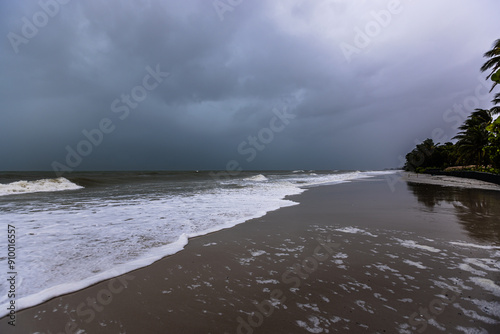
[352, 257]
[448, 181]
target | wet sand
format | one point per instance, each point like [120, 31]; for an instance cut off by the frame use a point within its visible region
[444, 180]
[369, 256]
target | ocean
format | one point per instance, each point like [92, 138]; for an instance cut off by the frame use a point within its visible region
[77, 230]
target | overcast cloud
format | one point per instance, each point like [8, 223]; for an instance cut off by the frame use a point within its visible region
[296, 75]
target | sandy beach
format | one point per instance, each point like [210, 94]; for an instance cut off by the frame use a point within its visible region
[368, 256]
[448, 181]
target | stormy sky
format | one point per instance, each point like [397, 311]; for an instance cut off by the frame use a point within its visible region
[225, 84]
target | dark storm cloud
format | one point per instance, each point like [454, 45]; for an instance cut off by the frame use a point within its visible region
[361, 108]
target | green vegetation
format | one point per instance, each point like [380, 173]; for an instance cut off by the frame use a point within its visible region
[478, 142]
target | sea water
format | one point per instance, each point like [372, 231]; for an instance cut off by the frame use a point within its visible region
[76, 230]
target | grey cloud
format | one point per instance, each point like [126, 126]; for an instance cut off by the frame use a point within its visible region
[226, 77]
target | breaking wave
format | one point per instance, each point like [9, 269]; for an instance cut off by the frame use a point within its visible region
[257, 178]
[43, 185]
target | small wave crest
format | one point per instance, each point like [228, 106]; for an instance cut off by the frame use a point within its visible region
[43, 185]
[257, 178]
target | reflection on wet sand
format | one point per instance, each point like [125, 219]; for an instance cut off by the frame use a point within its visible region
[477, 210]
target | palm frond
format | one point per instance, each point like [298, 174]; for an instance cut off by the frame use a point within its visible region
[495, 110]
[493, 62]
[496, 100]
[495, 49]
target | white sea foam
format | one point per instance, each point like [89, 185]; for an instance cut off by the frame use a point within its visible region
[77, 240]
[405, 300]
[257, 178]
[43, 185]
[54, 291]
[472, 330]
[485, 264]
[466, 267]
[267, 281]
[379, 296]
[362, 304]
[434, 323]
[487, 285]
[384, 267]
[414, 245]
[324, 179]
[492, 308]
[355, 230]
[258, 253]
[70, 244]
[473, 314]
[313, 325]
[419, 265]
[465, 244]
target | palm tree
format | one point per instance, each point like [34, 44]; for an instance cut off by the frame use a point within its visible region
[481, 117]
[496, 101]
[474, 137]
[493, 64]
[471, 145]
